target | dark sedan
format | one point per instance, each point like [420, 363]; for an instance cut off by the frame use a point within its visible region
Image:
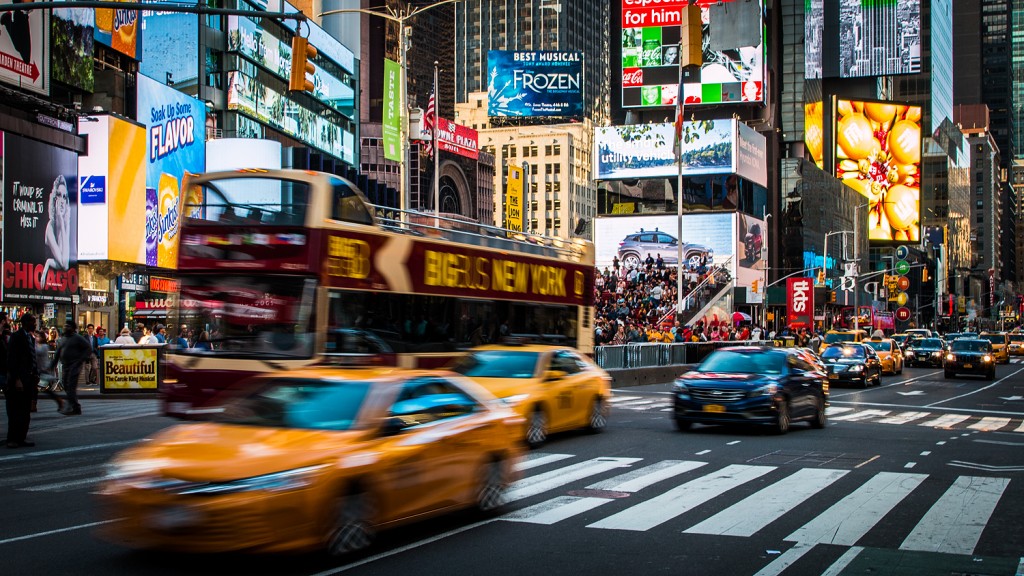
[970, 356]
[752, 384]
[926, 352]
[852, 363]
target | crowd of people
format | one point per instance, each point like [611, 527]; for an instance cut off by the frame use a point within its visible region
[638, 304]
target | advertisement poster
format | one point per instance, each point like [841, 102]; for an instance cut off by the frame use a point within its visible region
[40, 185]
[646, 150]
[114, 168]
[24, 44]
[534, 83]
[800, 302]
[457, 139]
[171, 50]
[514, 199]
[392, 111]
[129, 368]
[175, 144]
[119, 29]
[707, 238]
[878, 154]
[72, 31]
[729, 74]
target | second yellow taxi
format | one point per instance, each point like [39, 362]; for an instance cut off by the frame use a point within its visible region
[1000, 345]
[889, 353]
[554, 387]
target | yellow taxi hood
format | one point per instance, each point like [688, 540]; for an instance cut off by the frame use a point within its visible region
[219, 452]
[505, 387]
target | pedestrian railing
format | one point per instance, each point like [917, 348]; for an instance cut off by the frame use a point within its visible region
[651, 355]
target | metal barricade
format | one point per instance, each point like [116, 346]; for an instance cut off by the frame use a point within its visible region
[649, 355]
[610, 357]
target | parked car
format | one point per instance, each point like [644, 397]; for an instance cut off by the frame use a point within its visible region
[889, 353]
[1000, 345]
[926, 352]
[635, 248]
[852, 363]
[970, 356]
[752, 384]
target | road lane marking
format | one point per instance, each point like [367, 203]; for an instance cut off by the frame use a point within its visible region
[539, 459]
[555, 510]
[836, 410]
[83, 423]
[883, 387]
[990, 424]
[837, 567]
[618, 399]
[679, 500]
[787, 559]
[987, 467]
[955, 522]
[703, 452]
[940, 443]
[72, 449]
[945, 421]
[848, 520]
[926, 453]
[550, 480]
[982, 389]
[733, 443]
[60, 486]
[636, 480]
[904, 417]
[58, 531]
[909, 465]
[854, 417]
[912, 407]
[747, 517]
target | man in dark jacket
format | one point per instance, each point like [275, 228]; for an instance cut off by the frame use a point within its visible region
[73, 352]
[22, 379]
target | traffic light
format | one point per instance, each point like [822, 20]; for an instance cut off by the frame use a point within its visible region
[692, 53]
[924, 274]
[821, 277]
[753, 286]
[831, 296]
[301, 53]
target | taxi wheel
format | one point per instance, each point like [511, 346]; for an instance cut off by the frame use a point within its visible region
[682, 425]
[537, 430]
[491, 493]
[820, 418]
[782, 418]
[902, 365]
[598, 418]
[352, 529]
[991, 375]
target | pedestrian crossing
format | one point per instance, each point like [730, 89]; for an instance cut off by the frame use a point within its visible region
[846, 414]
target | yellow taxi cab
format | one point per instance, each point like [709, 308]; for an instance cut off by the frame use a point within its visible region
[837, 336]
[1000, 345]
[317, 458]
[889, 354]
[555, 388]
[1016, 347]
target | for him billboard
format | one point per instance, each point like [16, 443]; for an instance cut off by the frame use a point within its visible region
[24, 40]
[175, 144]
[534, 83]
[878, 154]
[40, 222]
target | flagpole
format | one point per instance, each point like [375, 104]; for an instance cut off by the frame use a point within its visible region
[679, 196]
[437, 161]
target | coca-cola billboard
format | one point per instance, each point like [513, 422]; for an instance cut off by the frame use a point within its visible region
[633, 77]
[800, 302]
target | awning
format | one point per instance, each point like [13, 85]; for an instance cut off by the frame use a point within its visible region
[151, 313]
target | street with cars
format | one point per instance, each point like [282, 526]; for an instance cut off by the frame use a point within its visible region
[918, 475]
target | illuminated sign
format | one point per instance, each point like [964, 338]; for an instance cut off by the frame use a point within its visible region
[514, 199]
[538, 83]
[158, 284]
[24, 49]
[878, 154]
[129, 368]
[800, 302]
[119, 29]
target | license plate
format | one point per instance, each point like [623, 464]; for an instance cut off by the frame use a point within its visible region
[716, 408]
[833, 376]
[968, 366]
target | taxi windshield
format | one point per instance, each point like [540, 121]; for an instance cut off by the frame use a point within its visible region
[964, 345]
[839, 337]
[995, 338]
[497, 364]
[1016, 337]
[741, 362]
[298, 403]
[843, 352]
[880, 346]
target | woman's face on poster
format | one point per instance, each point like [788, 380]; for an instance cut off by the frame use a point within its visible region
[60, 201]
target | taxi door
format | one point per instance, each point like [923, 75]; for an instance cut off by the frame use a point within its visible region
[570, 394]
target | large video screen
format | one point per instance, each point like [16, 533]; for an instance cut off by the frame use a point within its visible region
[878, 154]
[534, 83]
[855, 38]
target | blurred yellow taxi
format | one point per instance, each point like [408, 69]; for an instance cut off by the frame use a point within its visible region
[555, 388]
[1000, 345]
[837, 336]
[319, 458]
[889, 354]
[1016, 347]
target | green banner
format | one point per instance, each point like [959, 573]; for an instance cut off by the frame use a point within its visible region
[392, 111]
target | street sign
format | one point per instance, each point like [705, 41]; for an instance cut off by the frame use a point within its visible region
[902, 252]
[903, 314]
[902, 267]
[903, 283]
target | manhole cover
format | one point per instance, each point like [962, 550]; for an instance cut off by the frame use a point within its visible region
[598, 494]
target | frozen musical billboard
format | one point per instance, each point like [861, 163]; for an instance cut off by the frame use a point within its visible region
[534, 83]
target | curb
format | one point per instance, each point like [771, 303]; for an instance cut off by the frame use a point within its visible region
[628, 377]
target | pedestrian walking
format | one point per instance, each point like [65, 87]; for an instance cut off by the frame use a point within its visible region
[22, 379]
[125, 337]
[72, 353]
[94, 363]
[47, 372]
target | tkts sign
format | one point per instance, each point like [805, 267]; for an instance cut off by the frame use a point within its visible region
[800, 302]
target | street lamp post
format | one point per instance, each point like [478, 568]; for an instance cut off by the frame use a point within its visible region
[856, 263]
[405, 33]
[767, 265]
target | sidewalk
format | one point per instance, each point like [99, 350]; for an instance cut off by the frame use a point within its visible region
[92, 391]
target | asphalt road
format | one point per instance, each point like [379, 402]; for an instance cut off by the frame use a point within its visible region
[919, 476]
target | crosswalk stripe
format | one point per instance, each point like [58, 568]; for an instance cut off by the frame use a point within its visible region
[755, 512]
[850, 519]
[641, 478]
[955, 522]
[535, 459]
[541, 483]
[681, 499]
[635, 403]
[839, 565]
[863, 414]
[904, 417]
[1020, 428]
[990, 423]
[555, 510]
[785, 560]
[836, 410]
[618, 399]
[945, 421]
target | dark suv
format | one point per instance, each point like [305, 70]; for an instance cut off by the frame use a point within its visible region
[635, 248]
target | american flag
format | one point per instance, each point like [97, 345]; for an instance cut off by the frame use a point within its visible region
[428, 116]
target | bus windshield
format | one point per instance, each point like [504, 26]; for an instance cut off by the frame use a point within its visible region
[247, 316]
[248, 200]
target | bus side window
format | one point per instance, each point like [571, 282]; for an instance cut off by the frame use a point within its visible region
[348, 206]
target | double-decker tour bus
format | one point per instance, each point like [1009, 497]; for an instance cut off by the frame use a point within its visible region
[280, 269]
[869, 321]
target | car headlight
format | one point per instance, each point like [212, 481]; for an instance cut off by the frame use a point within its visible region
[950, 357]
[856, 368]
[681, 389]
[986, 358]
[768, 390]
[910, 353]
[937, 353]
[515, 399]
[276, 482]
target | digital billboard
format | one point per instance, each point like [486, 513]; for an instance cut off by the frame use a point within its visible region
[708, 147]
[72, 31]
[24, 40]
[855, 38]
[111, 177]
[534, 83]
[650, 57]
[814, 133]
[175, 144]
[878, 154]
[40, 221]
[119, 29]
[171, 50]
